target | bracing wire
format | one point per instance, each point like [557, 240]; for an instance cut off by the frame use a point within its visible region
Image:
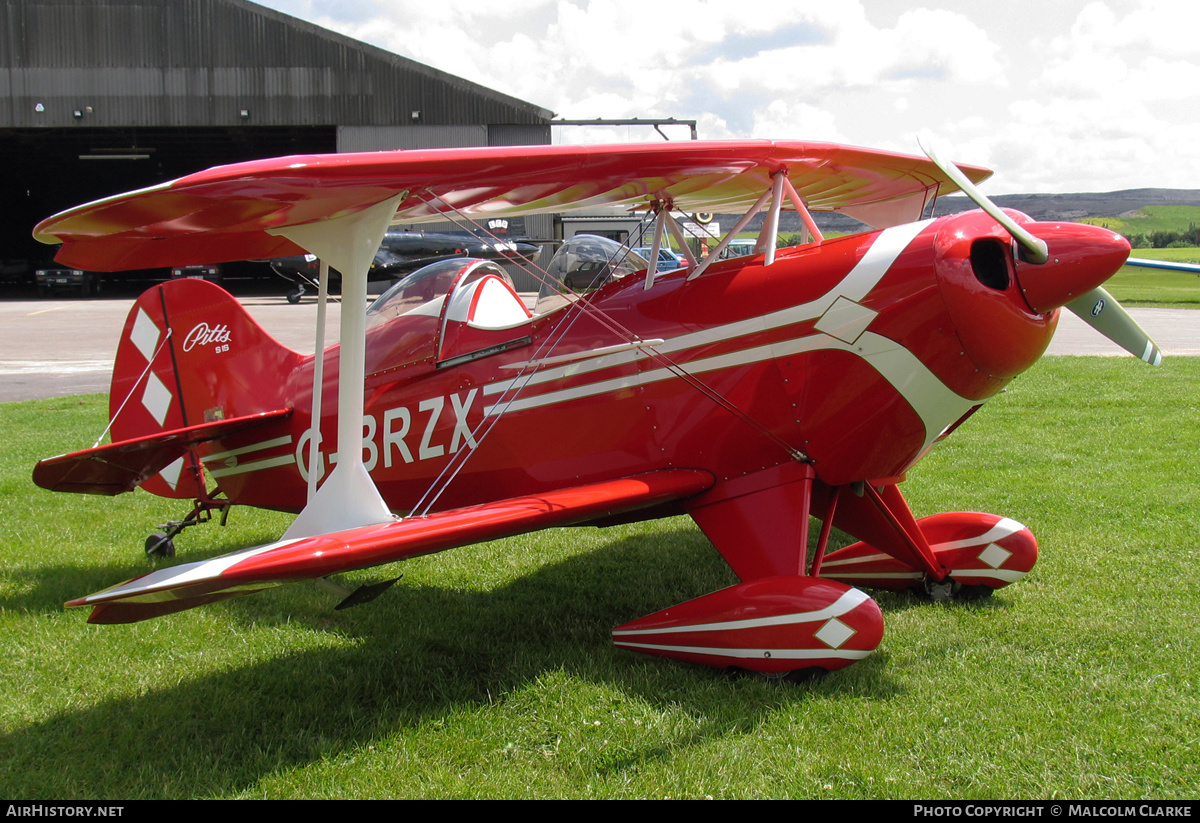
[578, 308]
[133, 388]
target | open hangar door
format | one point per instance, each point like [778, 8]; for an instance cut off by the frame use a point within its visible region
[48, 170]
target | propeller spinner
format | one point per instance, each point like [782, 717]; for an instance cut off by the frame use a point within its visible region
[1071, 254]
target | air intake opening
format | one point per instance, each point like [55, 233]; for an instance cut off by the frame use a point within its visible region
[989, 261]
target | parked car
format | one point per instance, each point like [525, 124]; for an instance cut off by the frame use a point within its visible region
[667, 259]
[50, 280]
[741, 247]
[211, 272]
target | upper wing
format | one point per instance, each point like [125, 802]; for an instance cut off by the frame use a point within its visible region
[232, 212]
[287, 561]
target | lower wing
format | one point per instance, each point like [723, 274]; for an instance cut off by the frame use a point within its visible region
[288, 561]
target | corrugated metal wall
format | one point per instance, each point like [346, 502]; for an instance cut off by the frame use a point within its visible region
[383, 138]
[104, 63]
[194, 83]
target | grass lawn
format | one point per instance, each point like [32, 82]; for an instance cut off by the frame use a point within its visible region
[1139, 286]
[488, 671]
[1150, 219]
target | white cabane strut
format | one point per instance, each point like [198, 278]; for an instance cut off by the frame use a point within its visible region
[348, 498]
[781, 187]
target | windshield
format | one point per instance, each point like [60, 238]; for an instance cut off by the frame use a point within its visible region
[424, 291]
[587, 262]
[739, 248]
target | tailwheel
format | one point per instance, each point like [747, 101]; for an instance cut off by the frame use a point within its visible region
[160, 545]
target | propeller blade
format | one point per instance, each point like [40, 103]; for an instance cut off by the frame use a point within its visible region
[1097, 308]
[1035, 249]
[1103, 313]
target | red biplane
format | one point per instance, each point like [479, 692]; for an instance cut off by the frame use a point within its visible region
[751, 393]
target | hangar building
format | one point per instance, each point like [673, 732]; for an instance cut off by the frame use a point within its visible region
[103, 96]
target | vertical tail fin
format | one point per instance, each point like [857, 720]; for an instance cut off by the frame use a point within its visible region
[190, 354]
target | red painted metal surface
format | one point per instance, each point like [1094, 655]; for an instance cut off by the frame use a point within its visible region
[183, 587]
[975, 549]
[772, 625]
[855, 403]
[225, 213]
[773, 391]
[125, 465]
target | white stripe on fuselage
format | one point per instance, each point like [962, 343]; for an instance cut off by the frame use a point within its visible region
[936, 404]
[856, 285]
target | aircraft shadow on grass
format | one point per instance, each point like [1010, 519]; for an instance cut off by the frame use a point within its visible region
[417, 654]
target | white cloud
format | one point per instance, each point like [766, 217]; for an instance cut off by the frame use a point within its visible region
[779, 119]
[1069, 94]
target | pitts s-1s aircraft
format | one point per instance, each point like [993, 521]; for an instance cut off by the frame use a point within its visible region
[749, 393]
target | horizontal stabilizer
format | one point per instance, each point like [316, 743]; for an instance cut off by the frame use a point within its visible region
[1168, 265]
[120, 467]
[287, 561]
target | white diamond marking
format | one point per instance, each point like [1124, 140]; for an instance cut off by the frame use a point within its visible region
[845, 320]
[994, 555]
[171, 473]
[156, 398]
[834, 633]
[145, 334]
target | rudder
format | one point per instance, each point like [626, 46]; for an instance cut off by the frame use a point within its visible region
[189, 354]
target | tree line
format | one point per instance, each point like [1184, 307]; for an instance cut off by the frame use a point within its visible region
[1164, 239]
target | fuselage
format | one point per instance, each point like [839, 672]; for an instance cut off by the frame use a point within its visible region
[856, 354]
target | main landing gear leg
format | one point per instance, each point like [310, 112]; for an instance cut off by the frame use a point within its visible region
[960, 555]
[162, 543]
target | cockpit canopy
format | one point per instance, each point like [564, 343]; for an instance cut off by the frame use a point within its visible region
[449, 311]
[587, 262]
[582, 264]
[424, 291]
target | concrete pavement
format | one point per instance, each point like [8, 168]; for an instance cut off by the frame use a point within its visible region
[59, 347]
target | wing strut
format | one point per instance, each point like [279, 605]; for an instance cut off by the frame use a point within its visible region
[665, 220]
[348, 243]
[802, 208]
[680, 240]
[728, 238]
[314, 445]
[769, 236]
[781, 187]
[652, 269]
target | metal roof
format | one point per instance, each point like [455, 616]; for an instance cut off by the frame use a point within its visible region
[122, 63]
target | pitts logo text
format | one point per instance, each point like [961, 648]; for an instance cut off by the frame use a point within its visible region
[202, 335]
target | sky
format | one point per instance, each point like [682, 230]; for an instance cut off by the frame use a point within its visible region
[1054, 95]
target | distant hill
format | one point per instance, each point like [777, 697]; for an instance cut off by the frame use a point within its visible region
[1079, 206]
[1038, 206]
